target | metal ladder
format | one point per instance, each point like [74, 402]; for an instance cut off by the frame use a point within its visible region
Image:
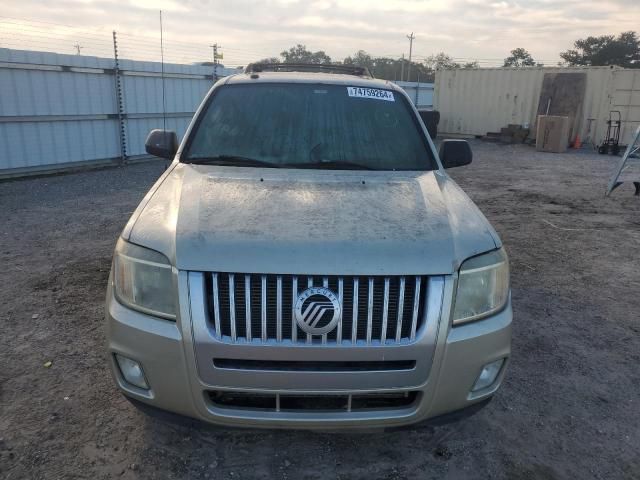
[629, 158]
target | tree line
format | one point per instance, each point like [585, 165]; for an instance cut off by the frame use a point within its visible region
[622, 50]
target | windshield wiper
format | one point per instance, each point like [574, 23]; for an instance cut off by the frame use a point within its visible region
[235, 160]
[241, 161]
[337, 165]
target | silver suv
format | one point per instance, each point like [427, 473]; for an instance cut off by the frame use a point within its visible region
[306, 261]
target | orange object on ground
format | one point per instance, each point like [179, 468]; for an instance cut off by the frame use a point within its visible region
[577, 143]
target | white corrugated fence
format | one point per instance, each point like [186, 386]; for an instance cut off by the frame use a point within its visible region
[61, 111]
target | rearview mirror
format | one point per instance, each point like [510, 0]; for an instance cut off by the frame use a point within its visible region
[161, 143]
[455, 153]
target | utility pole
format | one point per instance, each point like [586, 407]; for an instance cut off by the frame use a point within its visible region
[410, 37]
[215, 48]
[78, 47]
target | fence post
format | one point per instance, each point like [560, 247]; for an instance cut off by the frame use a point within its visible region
[417, 90]
[119, 102]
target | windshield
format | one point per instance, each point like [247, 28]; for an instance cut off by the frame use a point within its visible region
[309, 126]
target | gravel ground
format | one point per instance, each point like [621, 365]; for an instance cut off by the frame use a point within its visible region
[569, 408]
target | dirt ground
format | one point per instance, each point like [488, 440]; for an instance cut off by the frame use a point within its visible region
[569, 408]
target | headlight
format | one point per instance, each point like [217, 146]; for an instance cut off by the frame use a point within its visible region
[143, 280]
[483, 287]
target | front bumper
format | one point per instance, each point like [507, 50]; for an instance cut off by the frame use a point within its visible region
[181, 383]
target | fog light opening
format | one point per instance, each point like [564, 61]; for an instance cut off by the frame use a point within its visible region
[132, 372]
[488, 375]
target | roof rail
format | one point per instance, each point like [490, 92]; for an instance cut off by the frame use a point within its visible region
[308, 67]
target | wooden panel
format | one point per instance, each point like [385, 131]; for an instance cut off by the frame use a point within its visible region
[562, 94]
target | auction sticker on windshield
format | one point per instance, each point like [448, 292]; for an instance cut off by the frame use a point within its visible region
[374, 93]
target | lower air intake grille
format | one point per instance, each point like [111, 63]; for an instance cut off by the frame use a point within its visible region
[317, 403]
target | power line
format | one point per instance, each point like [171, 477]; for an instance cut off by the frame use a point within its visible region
[133, 45]
[38, 26]
[50, 35]
[27, 28]
[27, 21]
[42, 35]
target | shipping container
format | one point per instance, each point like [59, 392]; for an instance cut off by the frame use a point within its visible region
[478, 101]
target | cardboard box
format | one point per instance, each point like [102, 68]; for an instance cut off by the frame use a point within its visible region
[552, 134]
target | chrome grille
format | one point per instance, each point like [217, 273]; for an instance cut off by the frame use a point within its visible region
[375, 310]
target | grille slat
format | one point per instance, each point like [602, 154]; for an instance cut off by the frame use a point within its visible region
[370, 310]
[385, 312]
[309, 285]
[294, 294]
[247, 306]
[261, 308]
[340, 298]
[416, 309]
[279, 309]
[216, 305]
[232, 306]
[354, 322]
[400, 310]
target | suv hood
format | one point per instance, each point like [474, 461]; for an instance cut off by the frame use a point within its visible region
[254, 220]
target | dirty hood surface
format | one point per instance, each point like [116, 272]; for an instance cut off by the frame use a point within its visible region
[250, 220]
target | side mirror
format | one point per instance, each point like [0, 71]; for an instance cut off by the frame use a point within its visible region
[455, 153]
[161, 143]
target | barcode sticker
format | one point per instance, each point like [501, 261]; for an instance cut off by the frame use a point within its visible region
[375, 93]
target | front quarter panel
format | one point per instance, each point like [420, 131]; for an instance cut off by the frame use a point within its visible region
[465, 221]
[126, 232]
[155, 224]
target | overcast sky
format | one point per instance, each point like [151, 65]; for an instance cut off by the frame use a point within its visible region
[251, 29]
